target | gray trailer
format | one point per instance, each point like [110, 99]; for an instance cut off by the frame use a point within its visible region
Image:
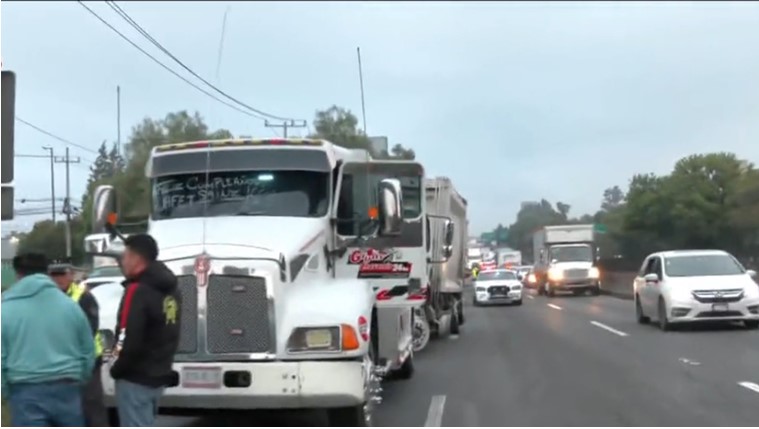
[447, 239]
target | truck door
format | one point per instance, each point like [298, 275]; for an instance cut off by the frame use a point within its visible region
[389, 263]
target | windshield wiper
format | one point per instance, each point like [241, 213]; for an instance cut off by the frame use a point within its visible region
[250, 213]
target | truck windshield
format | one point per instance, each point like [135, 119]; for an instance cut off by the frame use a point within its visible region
[241, 193]
[572, 254]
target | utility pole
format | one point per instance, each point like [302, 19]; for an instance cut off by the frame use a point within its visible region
[292, 123]
[67, 201]
[118, 119]
[52, 179]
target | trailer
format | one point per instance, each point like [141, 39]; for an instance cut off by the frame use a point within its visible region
[447, 242]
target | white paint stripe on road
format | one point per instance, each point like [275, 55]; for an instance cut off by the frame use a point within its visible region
[453, 337]
[554, 306]
[750, 386]
[530, 297]
[435, 413]
[608, 328]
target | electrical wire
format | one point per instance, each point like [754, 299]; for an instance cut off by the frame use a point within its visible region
[116, 8]
[53, 136]
[167, 68]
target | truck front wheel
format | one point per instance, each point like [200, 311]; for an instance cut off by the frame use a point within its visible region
[356, 416]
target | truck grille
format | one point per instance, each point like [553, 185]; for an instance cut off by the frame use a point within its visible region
[576, 274]
[188, 314]
[238, 315]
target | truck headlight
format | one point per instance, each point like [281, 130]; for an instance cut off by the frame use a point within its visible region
[594, 273]
[314, 339]
[531, 278]
[555, 274]
[323, 339]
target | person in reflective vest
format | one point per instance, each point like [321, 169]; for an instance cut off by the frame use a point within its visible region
[475, 271]
[95, 414]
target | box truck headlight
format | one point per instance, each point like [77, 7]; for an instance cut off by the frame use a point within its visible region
[594, 273]
[532, 279]
[555, 274]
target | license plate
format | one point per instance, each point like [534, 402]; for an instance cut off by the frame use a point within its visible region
[202, 378]
[318, 338]
[720, 307]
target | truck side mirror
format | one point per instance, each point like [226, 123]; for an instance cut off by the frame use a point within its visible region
[450, 229]
[103, 209]
[447, 252]
[390, 206]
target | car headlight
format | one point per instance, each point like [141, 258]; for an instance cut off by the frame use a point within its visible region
[555, 274]
[516, 288]
[480, 289]
[594, 273]
[315, 339]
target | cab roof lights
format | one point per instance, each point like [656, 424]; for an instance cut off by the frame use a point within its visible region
[238, 142]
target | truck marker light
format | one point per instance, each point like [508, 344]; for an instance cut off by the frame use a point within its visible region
[373, 213]
[350, 339]
[363, 328]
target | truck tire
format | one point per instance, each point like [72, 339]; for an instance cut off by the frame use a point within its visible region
[113, 417]
[461, 311]
[406, 371]
[355, 416]
[596, 290]
[549, 290]
[454, 322]
[421, 332]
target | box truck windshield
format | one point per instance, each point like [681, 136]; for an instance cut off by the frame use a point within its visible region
[572, 254]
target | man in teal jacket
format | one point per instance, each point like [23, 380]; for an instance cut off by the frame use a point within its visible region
[47, 349]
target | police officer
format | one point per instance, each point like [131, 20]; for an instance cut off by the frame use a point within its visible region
[95, 414]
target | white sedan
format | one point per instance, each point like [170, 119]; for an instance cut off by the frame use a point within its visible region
[695, 285]
[498, 287]
[103, 275]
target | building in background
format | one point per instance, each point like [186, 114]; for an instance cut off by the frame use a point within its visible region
[379, 144]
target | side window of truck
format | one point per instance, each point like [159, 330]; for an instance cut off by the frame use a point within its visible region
[357, 194]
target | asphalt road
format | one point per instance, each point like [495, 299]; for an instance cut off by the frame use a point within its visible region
[565, 361]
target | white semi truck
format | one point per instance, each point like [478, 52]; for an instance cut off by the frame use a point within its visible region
[565, 257]
[443, 310]
[295, 259]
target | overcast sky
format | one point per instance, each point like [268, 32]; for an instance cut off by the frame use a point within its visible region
[512, 101]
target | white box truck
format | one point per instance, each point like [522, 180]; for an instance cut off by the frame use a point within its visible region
[565, 259]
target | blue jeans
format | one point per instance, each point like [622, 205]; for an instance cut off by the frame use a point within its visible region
[137, 404]
[53, 403]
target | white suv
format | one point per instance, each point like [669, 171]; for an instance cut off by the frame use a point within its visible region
[695, 285]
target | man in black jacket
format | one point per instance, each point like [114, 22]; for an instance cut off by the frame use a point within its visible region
[147, 334]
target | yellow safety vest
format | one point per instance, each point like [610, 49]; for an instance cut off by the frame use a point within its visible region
[75, 292]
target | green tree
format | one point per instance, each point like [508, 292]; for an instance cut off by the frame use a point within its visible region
[340, 126]
[400, 152]
[613, 198]
[49, 239]
[530, 218]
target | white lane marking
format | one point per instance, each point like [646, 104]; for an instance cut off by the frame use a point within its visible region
[453, 337]
[608, 328]
[530, 297]
[689, 362]
[750, 386]
[554, 306]
[435, 413]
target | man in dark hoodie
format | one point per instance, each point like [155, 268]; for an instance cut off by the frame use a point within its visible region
[147, 333]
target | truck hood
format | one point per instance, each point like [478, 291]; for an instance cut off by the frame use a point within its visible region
[286, 235]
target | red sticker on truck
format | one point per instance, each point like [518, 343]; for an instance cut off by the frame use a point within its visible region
[370, 256]
[385, 270]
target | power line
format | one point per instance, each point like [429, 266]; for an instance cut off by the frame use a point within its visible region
[167, 68]
[116, 8]
[53, 136]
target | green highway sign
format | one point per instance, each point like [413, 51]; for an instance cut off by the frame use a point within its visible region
[600, 228]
